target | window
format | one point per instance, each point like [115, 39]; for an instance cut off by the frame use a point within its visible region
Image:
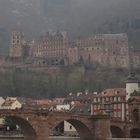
[115, 98]
[70, 127]
[117, 42]
[119, 106]
[98, 99]
[111, 99]
[119, 98]
[119, 114]
[115, 114]
[107, 99]
[126, 106]
[115, 106]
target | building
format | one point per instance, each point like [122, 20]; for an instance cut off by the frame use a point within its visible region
[108, 50]
[11, 104]
[110, 101]
[120, 103]
[2, 100]
[18, 47]
[134, 107]
[73, 54]
[54, 48]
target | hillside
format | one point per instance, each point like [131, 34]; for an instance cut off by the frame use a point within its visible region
[58, 82]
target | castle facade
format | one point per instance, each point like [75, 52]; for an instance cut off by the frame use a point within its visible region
[107, 50]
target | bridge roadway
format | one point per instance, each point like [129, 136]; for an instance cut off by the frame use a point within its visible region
[38, 124]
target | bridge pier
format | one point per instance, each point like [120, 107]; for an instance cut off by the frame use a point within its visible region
[102, 127]
[42, 131]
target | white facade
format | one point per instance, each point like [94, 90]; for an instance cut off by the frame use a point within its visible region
[2, 121]
[130, 88]
[63, 107]
[2, 100]
[14, 105]
[68, 128]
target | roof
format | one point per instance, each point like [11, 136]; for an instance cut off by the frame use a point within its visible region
[79, 96]
[132, 100]
[43, 101]
[135, 93]
[136, 51]
[132, 78]
[115, 36]
[112, 92]
[81, 109]
[8, 102]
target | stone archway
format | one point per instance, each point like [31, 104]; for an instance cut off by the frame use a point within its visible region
[27, 130]
[135, 133]
[82, 130]
[117, 132]
[136, 115]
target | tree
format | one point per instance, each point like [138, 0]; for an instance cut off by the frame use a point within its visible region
[9, 122]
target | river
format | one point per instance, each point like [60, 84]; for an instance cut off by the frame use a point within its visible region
[55, 138]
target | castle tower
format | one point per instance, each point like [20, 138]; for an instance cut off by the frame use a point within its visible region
[132, 84]
[16, 44]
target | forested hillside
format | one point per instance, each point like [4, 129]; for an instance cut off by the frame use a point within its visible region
[58, 82]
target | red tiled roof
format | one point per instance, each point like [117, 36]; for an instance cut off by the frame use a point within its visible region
[113, 92]
[43, 101]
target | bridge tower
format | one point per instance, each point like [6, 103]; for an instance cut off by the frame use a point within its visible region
[132, 84]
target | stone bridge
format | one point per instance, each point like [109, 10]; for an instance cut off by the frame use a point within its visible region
[38, 124]
[121, 129]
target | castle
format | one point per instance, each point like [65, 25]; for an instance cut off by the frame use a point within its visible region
[107, 50]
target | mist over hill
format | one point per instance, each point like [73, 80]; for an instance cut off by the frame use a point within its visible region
[78, 17]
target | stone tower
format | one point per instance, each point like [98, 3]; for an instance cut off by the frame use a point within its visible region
[16, 44]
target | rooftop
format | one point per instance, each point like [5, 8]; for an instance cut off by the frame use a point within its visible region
[132, 78]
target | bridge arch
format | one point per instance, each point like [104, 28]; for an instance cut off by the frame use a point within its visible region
[82, 129]
[117, 132]
[135, 133]
[27, 129]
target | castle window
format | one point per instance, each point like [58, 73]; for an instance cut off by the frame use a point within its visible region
[117, 41]
[114, 53]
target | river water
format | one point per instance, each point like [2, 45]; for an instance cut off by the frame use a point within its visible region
[49, 139]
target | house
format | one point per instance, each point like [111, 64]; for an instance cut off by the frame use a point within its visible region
[11, 104]
[62, 107]
[58, 101]
[81, 109]
[118, 102]
[111, 101]
[2, 100]
[43, 101]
